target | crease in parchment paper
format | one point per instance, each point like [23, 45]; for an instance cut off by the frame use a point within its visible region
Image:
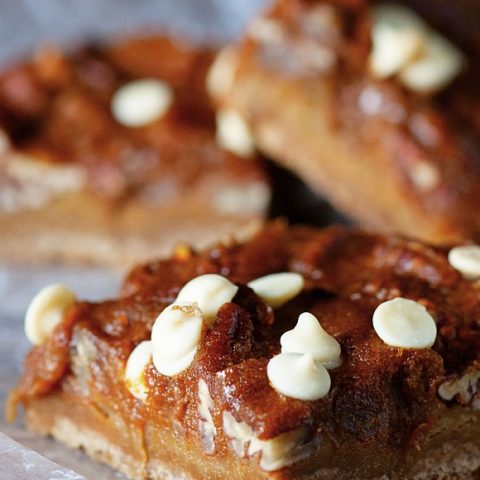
[18, 462]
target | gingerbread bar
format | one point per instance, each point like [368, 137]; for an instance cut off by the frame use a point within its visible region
[300, 354]
[109, 155]
[374, 104]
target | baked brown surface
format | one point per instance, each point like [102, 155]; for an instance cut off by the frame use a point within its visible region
[385, 155]
[383, 418]
[77, 185]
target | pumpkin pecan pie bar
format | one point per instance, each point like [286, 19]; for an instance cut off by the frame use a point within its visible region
[101, 148]
[300, 354]
[374, 104]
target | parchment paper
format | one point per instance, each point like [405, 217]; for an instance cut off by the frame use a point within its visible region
[24, 23]
[16, 460]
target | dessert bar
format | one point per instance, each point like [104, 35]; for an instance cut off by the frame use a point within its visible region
[300, 354]
[374, 104]
[108, 154]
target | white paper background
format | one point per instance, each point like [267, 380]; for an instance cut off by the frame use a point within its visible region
[24, 23]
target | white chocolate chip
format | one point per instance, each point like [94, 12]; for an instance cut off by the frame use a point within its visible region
[141, 102]
[135, 369]
[404, 323]
[387, 59]
[176, 334]
[319, 58]
[221, 74]
[374, 101]
[233, 133]
[322, 21]
[466, 259]
[177, 331]
[172, 367]
[308, 336]
[371, 101]
[404, 45]
[282, 450]
[425, 175]
[277, 288]
[438, 65]
[46, 311]
[240, 432]
[266, 31]
[206, 424]
[179, 321]
[275, 453]
[298, 376]
[210, 292]
[397, 37]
